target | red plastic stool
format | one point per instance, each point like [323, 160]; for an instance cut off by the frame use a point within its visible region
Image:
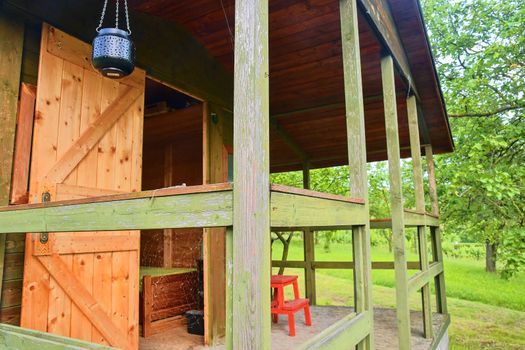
[288, 307]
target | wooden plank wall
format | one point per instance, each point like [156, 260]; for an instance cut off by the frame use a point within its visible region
[183, 152]
[218, 126]
[11, 48]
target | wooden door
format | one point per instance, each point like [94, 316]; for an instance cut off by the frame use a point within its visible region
[87, 142]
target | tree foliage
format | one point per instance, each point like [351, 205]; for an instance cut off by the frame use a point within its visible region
[479, 47]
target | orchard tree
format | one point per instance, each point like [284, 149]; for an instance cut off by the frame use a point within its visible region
[479, 48]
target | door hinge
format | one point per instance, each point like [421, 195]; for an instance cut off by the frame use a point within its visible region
[44, 236]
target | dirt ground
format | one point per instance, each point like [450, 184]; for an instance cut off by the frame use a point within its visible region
[385, 331]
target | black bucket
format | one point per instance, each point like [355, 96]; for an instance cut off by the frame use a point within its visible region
[195, 320]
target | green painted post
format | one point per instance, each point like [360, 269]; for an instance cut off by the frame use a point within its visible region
[356, 143]
[396, 202]
[415, 148]
[251, 204]
[11, 47]
[309, 249]
[229, 288]
[441, 294]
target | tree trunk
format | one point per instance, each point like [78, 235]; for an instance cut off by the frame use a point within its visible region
[490, 256]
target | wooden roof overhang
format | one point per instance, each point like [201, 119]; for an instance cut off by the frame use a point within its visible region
[306, 72]
[187, 43]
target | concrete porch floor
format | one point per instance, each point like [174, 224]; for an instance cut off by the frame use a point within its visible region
[322, 317]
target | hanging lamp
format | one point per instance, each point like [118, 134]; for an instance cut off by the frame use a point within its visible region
[113, 51]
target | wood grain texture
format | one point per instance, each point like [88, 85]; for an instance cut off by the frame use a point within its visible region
[11, 46]
[415, 151]
[24, 135]
[432, 180]
[396, 202]
[343, 334]
[356, 144]
[251, 224]
[291, 210]
[213, 209]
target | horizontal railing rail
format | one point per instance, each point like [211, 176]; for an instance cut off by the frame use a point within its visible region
[376, 265]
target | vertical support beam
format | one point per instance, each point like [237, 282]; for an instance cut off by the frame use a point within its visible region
[309, 249]
[168, 181]
[251, 196]
[11, 46]
[432, 180]
[229, 288]
[396, 202]
[356, 143]
[415, 148]
[437, 252]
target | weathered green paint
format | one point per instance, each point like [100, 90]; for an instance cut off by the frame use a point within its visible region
[12, 337]
[11, 47]
[309, 249]
[292, 210]
[229, 288]
[379, 16]
[396, 202]
[441, 333]
[343, 334]
[348, 265]
[432, 180]
[437, 252]
[425, 290]
[209, 209]
[251, 226]
[186, 65]
[356, 143]
[418, 280]
[411, 219]
[415, 149]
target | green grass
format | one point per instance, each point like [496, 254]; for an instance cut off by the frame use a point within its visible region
[487, 312]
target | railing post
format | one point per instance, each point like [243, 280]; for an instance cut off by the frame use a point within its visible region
[441, 295]
[251, 195]
[229, 288]
[309, 249]
[11, 46]
[415, 148]
[432, 180]
[396, 202]
[356, 143]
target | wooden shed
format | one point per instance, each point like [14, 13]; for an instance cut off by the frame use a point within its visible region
[126, 203]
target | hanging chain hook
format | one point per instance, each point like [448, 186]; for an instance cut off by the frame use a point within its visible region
[102, 16]
[116, 14]
[127, 16]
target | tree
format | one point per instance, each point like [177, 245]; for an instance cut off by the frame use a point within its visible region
[479, 48]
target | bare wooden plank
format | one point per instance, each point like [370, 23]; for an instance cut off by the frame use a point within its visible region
[11, 47]
[251, 224]
[92, 135]
[24, 134]
[84, 300]
[396, 201]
